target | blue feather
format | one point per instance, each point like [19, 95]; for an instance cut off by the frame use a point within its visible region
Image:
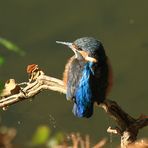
[74, 75]
[83, 106]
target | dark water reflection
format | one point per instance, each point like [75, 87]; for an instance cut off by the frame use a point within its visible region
[35, 25]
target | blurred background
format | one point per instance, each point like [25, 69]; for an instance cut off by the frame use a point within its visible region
[35, 25]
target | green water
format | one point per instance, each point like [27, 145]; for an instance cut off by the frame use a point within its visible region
[35, 25]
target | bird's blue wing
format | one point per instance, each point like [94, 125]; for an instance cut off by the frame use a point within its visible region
[73, 76]
[83, 106]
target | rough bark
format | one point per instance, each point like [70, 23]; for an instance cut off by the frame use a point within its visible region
[127, 126]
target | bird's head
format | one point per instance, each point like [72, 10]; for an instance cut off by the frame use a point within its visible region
[87, 48]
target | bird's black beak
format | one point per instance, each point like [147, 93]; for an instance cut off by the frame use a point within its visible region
[65, 43]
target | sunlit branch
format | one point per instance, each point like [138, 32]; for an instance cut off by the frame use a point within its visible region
[127, 126]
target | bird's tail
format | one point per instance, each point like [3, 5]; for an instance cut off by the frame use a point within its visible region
[82, 111]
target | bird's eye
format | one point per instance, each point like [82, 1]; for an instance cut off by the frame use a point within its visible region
[77, 47]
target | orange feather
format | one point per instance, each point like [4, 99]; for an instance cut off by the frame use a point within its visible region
[65, 77]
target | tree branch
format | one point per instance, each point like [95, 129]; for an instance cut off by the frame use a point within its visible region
[42, 82]
[128, 127]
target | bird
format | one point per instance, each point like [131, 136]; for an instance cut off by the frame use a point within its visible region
[87, 76]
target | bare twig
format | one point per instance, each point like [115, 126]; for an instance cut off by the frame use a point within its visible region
[128, 127]
[31, 89]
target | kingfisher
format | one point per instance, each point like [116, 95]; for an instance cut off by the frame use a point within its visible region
[87, 76]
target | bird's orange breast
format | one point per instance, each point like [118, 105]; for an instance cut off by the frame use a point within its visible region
[67, 67]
